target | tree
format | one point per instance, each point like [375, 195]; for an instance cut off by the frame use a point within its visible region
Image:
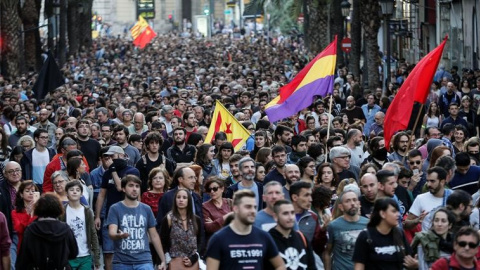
[30, 14]
[11, 37]
[317, 26]
[356, 36]
[73, 27]
[336, 26]
[371, 24]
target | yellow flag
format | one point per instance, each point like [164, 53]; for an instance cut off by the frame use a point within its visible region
[223, 120]
[139, 27]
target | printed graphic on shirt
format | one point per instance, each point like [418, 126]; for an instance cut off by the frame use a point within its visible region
[390, 250]
[292, 258]
[77, 226]
[347, 240]
[249, 253]
[135, 226]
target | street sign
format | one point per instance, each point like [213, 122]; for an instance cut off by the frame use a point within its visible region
[347, 45]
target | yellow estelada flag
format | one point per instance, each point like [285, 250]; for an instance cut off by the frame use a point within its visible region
[139, 27]
[223, 120]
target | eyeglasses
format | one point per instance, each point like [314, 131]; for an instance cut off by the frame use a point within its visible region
[214, 189]
[465, 243]
[50, 109]
[58, 182]
[14, 171]
[415, 162]
[345, 157]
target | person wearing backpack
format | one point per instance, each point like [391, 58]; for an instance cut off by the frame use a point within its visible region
[294, 249]
[382, 245]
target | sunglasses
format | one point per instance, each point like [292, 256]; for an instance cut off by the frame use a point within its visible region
[415, 162]
[465, 243]
[215, 189]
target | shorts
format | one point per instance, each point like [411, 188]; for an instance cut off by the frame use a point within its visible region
[107, 242]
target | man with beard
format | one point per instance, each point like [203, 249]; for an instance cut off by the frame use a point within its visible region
[247, 170]
[283, 137]
[21, 124]
[293, 248]
[400, 144]
[234, 171]
[131, 225]
[181, 152]
[343, 233]
[299, 149]
[355, 114]
[355, 145]
[90, 147]
[279, 155]
[377, 126]
[111, 191]
[241, 245]
[120, 134]
[45, 124]
[292, 175]
[340, 157]
[426, 202]
[419, 178]
[107, 135]
[190, 123]
[369, 188]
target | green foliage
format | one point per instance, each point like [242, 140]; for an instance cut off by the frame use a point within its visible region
[283, 13]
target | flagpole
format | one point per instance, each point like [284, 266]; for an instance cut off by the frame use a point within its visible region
[329, 123]
[413, 131]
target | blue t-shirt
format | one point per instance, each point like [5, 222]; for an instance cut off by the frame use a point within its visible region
[343, 235]
[252, 251]
[136, 221]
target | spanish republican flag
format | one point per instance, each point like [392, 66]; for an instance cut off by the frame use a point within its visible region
[138, 28]
[223, 120]
[315, 79]
[415, 88]
[145, 37]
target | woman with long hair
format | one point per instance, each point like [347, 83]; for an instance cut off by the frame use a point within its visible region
[264, 155]
[437, 242]
[382, 245]
[22, 215]
[437, 153]
[75, 168]
[158, 183]
[433, 118]
[180, 232]
[221, 163]
[215, 210]
[261, 140]
[327, 177]
[307, 169]
[260, 172]
[204, 157]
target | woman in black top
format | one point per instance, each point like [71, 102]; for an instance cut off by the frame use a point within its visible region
[382, 245]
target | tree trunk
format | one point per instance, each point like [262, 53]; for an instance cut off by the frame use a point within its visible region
[371, 25]
[73, 27]
[315, 36]
[11, 38]
[85, 23]
[30, 14]
[356, 36]
[336, 26]
[62, 44]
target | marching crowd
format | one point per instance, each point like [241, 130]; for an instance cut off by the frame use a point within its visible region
[114, 163]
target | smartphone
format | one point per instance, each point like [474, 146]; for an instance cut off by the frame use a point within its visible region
[415, 171]
[36, 196]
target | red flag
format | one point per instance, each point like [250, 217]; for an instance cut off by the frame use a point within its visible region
[415, 88]
[144, 38]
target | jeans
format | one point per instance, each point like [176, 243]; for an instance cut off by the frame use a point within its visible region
[13, 250]
[144, 266]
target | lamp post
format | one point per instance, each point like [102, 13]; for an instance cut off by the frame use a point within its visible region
[387, 11]
[345, 5]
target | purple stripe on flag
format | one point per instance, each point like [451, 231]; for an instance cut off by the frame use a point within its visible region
[301, 99]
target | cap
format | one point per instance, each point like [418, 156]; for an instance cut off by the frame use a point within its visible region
[115, 150]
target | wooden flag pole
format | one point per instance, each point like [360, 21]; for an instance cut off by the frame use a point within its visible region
[329, 123]
[413, 132]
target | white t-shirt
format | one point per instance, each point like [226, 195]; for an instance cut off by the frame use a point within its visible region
[425, 202]
[40, 161]
[76, 220]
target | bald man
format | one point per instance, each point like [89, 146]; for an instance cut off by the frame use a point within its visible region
[377, 125]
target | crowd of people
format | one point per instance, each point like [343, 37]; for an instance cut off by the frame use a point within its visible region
[113, 166]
